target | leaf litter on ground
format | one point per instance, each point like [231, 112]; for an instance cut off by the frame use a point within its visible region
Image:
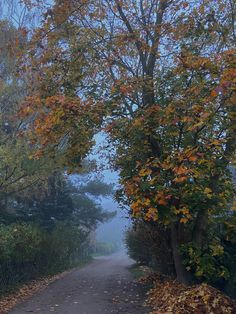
[9, 301]
[168, 296]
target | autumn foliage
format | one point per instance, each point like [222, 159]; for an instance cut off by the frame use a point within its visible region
[172, 297]
[159, 79]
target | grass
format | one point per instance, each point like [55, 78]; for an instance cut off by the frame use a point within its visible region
[136, 271]
[13, 287]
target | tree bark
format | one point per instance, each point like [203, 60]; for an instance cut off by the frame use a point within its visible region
[200, 227]
[181, 273]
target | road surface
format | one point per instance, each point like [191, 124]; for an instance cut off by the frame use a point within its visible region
[104, 286]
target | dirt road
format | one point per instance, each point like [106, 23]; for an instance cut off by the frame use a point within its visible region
[103, 286]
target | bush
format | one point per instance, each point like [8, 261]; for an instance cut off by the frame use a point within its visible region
[27, 251]
[149, 244]
[104, 248]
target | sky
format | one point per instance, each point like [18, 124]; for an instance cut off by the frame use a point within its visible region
[114, 230]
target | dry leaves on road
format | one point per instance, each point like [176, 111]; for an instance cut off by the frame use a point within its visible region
[27, 290]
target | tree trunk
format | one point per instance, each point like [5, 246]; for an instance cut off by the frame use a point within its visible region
[201, 224]
[181, 273]
[148, 92]
[200, 228]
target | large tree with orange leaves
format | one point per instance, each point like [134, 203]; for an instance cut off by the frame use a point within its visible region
[159, 77]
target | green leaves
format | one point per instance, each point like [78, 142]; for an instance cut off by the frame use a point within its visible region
[206, 263]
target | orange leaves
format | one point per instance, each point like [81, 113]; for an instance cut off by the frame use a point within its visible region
[194, 62]
[137, 122]
[125, 90]
[215, 142]
[129, 188]
[153, 110]
[170, 296]
[214, 93]
[145, 172]
[183, 213]
[183, 220]
[58, 121]
[180, 179]
[30, 105]
[187, 119]
[139, 205]
[181, 173]
[180, 170]
[152, 214]
[9, 301]
[161, 199]
[192, 158]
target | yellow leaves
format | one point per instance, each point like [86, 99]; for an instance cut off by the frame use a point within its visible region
[169, 110]
[187, 119]
[139, 204]
[196, 125]
[113, 89]
[205, 115]
[166, 166]
[146, 202]
[197, 108]
[169, 296]
[199, 273]
[137, 122]
[145, 172]
[234, 205]
[184, 213]
[135, 206]
[152, 214]
[208, 193]
[184, 210]
[216, 142]
[217, 250]
[153, 181]
[144, 208]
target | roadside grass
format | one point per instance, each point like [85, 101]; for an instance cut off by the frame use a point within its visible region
[47, 277]
[138, 270]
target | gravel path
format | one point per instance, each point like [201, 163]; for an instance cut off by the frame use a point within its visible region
[103, 286]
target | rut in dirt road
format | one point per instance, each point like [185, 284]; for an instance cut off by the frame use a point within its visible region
[104, 286]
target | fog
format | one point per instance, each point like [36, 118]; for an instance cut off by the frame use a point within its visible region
[112, 231]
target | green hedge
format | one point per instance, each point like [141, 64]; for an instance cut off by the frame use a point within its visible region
[27, 251]
[104, 248]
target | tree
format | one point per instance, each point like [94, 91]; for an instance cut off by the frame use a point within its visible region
[19, 172]
[159, 77]
[60, 200]
[87, 209]
[45, 204]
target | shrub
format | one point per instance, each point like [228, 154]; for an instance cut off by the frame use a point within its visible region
[27, 251]
[149, 244]
[104, 248]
